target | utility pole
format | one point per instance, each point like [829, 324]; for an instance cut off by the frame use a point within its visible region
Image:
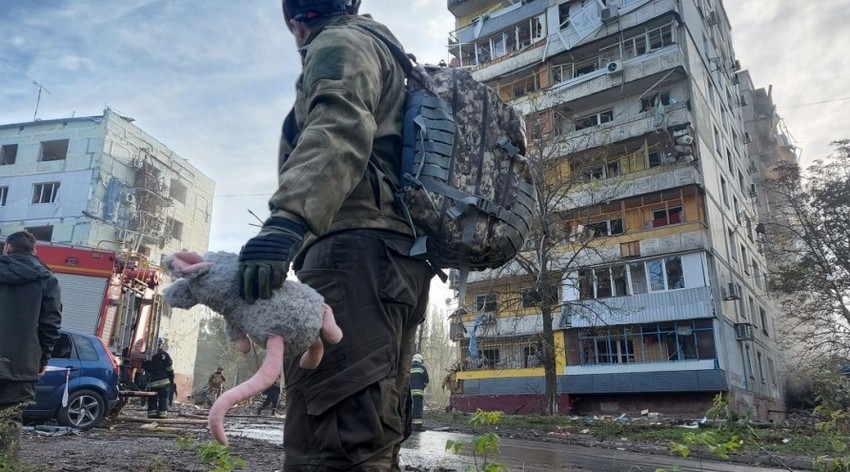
[38, 101]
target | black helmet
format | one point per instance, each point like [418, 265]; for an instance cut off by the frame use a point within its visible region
[306, 10]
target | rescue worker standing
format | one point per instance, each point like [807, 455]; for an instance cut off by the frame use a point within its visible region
[418, 382]
[160, 377]
[216, 384]
[334, 215]
[30, 316]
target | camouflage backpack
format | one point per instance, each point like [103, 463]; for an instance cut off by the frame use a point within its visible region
[465, 183]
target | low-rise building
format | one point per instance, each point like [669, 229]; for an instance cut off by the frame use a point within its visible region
[103, 182]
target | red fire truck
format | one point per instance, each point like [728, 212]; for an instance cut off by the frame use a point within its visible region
[109, 294]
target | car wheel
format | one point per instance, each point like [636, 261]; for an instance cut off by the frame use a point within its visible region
[84, 411]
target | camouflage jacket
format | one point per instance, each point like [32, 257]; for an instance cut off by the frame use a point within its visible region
[349, 105]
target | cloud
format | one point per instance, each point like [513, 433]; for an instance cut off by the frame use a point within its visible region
[212, 80]
[75, 63]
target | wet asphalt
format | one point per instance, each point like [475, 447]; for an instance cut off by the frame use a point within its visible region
[426, 451]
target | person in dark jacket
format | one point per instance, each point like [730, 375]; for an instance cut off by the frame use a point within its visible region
[30, 316]
[272, 394]
[418, 382]
[160, 377]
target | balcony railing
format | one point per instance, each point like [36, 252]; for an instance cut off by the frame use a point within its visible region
[465, 7]
[648, 181]
[600, 80]
[516, 352]
[622, 128]
[654, 307]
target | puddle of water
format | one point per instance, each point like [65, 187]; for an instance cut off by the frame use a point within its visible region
[424, 449]
[428, 449]
[272, 433]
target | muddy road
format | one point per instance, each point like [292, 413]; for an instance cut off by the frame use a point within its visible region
[133, 444]
[427, 450]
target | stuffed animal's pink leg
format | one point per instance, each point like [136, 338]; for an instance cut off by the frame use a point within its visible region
[185, 261]
[242, 344]
[264, 377]
[330, 332]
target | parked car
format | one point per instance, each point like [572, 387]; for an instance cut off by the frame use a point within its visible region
[91, 372]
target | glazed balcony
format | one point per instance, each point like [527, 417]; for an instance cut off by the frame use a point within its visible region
[632, 77]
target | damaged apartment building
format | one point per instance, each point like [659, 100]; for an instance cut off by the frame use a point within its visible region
[670, 306]
[102, 182]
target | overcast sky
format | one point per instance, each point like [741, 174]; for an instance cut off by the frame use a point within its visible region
[212, 79]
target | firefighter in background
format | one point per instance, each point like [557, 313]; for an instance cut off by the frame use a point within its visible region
[418, 382]
[160, 377]
[216, 384]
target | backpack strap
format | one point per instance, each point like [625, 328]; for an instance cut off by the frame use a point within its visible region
[398, 53]
[419, 246]
[431, 120]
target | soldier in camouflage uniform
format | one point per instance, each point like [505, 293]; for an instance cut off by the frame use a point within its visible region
[334, 216]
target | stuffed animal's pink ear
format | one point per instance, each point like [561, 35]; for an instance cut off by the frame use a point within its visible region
[188, 262]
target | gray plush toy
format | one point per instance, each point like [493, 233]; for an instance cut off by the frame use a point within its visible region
[295, 313]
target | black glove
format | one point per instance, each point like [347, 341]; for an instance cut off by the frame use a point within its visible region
[265, 258]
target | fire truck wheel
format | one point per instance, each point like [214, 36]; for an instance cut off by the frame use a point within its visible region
[84, 411]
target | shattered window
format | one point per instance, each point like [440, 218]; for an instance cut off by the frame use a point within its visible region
[45, 192]
[55, 150]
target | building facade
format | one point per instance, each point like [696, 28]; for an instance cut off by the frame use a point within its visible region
[102, 182]
[664, 304]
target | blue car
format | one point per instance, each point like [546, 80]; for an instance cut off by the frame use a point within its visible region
[91, 372]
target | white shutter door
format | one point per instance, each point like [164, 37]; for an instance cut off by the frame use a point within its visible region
[82, 298]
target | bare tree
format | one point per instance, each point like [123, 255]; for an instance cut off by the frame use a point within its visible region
[440, 355]
[808, 241]
[574, 180]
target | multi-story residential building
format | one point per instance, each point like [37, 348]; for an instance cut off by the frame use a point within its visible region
[102, 182]
[770, 145]
[669, 308]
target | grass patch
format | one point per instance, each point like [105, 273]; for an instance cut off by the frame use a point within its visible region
[802, 441]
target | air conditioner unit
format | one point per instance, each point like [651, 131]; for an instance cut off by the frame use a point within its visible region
[614, 67]
[743, 331]
[129, 198]
[736, 65]
[747, 138]
[736, 80]
[731, 292]
[609, 14]
[712, 18]
[742, 101]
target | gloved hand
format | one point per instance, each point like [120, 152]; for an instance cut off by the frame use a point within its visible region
[264, 260]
